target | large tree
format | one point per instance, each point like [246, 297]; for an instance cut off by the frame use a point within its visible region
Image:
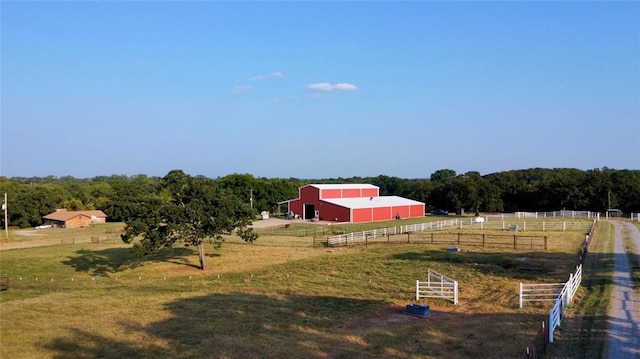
[187, 210]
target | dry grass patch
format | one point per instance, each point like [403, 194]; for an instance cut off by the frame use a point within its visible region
[269, 301]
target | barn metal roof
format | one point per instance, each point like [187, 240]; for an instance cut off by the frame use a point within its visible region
[342, 185]
[372, 202]
[64, 215]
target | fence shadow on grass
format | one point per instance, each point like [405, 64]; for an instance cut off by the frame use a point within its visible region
[516, 265]
[113, 260]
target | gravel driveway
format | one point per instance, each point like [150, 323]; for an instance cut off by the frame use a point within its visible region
[624, 315]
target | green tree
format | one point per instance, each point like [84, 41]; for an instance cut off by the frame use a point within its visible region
[187, 210]
[126, 193]
[27, 203]
[443, 175]
[391, 186]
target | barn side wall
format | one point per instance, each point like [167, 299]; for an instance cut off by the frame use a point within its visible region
[332, 212]
[330, 193]
[351, 193]
[402, 211]
[416, 211]
[370, 192]
[361, 215]
[78, 221]
[382, 214]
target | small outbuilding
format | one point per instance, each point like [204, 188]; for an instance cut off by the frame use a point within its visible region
[74, 219]
[355, 203]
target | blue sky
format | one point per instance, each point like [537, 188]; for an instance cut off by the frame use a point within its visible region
[317, 89]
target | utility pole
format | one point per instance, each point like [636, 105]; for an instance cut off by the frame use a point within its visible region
[6, 222]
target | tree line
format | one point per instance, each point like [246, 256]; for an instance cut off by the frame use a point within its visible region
[536, 189]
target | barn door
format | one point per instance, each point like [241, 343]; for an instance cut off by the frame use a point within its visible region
[309, 210]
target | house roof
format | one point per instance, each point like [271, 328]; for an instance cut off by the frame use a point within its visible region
[372, 202]
[342, 186]
[64, 215]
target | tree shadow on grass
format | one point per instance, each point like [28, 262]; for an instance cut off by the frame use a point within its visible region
[241, 325]
[236, 325]
[113, 260]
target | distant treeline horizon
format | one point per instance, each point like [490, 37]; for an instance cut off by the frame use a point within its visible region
[535, 189]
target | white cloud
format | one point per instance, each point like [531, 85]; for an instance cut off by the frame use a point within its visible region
[265, 77]
[241, 87]
[346, 87]
[326, 86]
[322, 86]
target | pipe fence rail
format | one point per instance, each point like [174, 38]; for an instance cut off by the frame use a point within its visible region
[515, 222]
[392, 236]
[553, 214]
[551, 291]
[437, 286]
[562, 302]
[562, 295]
[539, 292]
[538, 347]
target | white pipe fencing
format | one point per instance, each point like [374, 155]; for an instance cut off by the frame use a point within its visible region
[437, 286]
[564, 299]
[554, 214]
[499, 221]
[539, 292]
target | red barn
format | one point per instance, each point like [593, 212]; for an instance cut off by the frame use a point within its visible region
[355, 203]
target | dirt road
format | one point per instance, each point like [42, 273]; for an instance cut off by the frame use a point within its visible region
[624, 315]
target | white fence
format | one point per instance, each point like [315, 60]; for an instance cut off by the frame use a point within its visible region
[515, 224]
[437, 286]
[564, 299]
[569, 290]
[554, 214]
[358, 237]
[539, 292]
[505, 221]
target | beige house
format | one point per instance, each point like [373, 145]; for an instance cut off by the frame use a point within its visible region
[74, 219]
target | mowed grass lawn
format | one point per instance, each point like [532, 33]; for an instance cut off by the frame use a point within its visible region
[96, 300]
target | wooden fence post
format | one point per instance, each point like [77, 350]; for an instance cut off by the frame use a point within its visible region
[515, 246]
[483, 239]
[408, 240]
